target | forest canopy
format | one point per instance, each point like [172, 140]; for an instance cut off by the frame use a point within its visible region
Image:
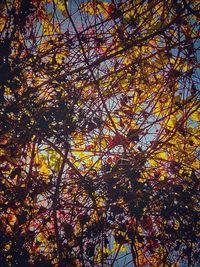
[99, 133]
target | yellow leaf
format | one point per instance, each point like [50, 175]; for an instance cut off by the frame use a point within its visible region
[41, 238]
[161, 155]
[196, 164]
[61, 56]
[47, 27]
[93, 7]
[61, 6]
[195, 116]
[7, 246]
[170, 122]
[2, 22]
[44, 169]
[118, 247]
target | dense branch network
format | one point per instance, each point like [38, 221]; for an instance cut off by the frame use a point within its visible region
[99, 119]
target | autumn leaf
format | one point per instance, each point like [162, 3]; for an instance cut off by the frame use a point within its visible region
[99, 133]
[62, 7]
[93, 7]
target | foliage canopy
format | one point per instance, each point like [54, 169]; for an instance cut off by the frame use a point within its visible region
[99, 119]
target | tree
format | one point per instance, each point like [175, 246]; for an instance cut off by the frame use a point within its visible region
[99, 133]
